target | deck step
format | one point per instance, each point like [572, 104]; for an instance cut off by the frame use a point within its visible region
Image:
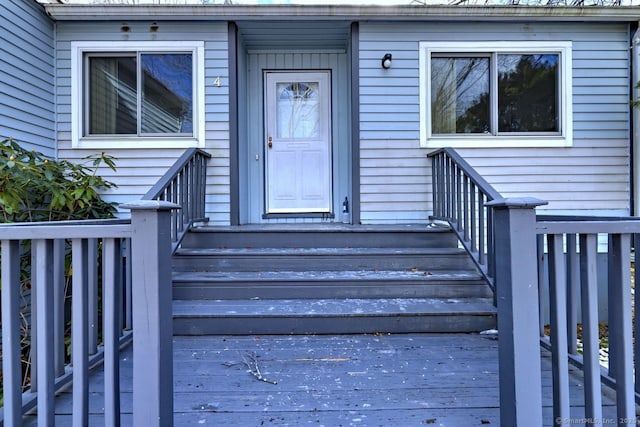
[319, 316]
[327, 278]
[413, 283]
[335, 258]
[320, 236]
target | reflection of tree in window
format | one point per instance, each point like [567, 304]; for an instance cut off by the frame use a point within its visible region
[166, 93]
[527, 93]
[526, 90]
[459, 92]
[167, 105]
[112, 96]
[298, 110]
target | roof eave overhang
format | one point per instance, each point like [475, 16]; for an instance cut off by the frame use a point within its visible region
[95, 12]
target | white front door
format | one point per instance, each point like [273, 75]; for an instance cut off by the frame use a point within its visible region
[298, 142]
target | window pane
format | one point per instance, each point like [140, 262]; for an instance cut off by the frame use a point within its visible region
[460, 95]
[167, 97]
[112, 95]
[528, 93]
[298, 110]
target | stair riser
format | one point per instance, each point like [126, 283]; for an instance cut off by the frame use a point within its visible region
[321, 262]
[260, 325]
[319, 239]
[306, 290]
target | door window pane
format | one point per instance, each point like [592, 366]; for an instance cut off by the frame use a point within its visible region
[112, 95]
[460, 95]
[297, 110]
[528, 93]
[167, 101]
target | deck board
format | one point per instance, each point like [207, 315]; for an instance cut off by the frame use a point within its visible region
[332, 380]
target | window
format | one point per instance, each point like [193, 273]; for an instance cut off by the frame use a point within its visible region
[143, 93]
[495, 94]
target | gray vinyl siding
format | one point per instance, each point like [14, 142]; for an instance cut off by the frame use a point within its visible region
[27, 75]
[590, 176]
[139, 169]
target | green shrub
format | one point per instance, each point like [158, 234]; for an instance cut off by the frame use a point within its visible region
[34, 187]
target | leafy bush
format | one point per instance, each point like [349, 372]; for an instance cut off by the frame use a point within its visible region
[34, 187]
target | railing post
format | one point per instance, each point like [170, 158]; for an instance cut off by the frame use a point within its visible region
[152, 317]
[517, 301]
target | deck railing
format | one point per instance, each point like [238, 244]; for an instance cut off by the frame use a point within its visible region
[459, 198]
[124, 264]
[516, 243]
[185, 185]
[135, 266]
[572, 248]
[93, 339]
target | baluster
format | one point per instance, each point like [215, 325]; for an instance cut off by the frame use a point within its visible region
[92, 292]
[620, 334]
[458, 198]
[573, 294]
[559, 355]
[128, 323]
[111, 332]
[611, 308]
[542, 308]
[174, 214]
[446, 193]
[636, 302]
[441, 186]
[481, 229]
[80, 331]
[183, 190]
[465, 198]
[45, 357]
[58, 306]
[590, 329]
[434, 185]
[202, 187]
[474, 211]
[11, 362]
[491, 256]
[33, 357]
[189, 196]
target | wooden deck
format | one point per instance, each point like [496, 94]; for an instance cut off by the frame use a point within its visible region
[331, 380]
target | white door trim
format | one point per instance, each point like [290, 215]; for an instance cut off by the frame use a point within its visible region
[298, 157]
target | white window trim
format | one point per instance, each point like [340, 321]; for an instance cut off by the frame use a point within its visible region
[565, 139]
[78, 140]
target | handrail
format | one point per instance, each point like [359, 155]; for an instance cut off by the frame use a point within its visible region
[184, 184]
[459, 198]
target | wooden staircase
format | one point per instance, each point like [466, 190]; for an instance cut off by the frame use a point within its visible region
[325, 279]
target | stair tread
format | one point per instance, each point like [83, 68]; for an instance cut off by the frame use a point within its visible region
[293, 251]
[333, 227]
[323, 275]
[347, 307]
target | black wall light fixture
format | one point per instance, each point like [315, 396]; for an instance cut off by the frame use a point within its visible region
[386, 61]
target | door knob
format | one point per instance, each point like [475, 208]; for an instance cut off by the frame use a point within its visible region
[270, 143]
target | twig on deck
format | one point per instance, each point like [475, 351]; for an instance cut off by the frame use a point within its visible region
[251, 361]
